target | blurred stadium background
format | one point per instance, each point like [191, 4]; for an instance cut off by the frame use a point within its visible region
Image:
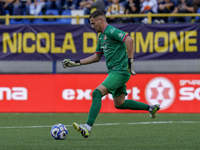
[174, 52]
[18, 12]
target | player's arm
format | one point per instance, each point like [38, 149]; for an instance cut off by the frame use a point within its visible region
[129, 46]
[130, 51]
[91, 59]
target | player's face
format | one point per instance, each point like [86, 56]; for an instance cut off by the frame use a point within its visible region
[96, 23]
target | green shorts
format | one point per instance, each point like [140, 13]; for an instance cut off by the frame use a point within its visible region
[116, 82]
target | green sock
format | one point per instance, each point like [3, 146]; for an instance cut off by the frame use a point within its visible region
[133, 105]
[95, 107]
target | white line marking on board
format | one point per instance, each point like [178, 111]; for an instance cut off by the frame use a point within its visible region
[109, 124]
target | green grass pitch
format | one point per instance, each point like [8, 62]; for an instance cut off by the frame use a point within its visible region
[31, 131]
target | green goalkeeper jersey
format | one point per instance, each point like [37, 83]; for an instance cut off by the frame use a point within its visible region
[111, 44]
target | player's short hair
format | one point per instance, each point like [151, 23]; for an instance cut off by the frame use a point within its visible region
[96, 13]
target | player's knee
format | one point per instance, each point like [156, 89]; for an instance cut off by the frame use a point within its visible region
[118, 102]
[118, 106]
[96, 94]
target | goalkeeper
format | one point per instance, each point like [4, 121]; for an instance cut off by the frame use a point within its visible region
[113, 44]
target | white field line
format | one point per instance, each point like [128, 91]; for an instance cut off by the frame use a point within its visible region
[109, 124]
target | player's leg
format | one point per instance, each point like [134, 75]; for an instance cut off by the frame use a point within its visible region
[97, 94]
[121, 103]
[117, 87]
[94, 111]
[118, 91]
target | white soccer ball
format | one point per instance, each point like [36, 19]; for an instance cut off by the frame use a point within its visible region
[59, 131]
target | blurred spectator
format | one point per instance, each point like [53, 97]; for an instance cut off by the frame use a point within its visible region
[7, 5]
[54, 4]
[165, 6]
[183, 6]
[123, 2]
[90, 5]
[107, 3]
[133, 7]
[2, 12]
[148, 6]
[21, 7]
[196, 4]
[71, 4]
[1, 8]
[85, 3]
[114, 9]
[36, 7]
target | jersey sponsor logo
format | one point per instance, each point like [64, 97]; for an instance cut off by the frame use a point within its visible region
[104, 47]
[112, 30]
[120, 35]
[105, 37]
[161, 91]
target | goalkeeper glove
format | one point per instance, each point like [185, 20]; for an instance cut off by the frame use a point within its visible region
[70, 63]
[130, 66]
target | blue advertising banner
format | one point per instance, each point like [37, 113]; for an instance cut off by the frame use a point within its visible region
[57, 42]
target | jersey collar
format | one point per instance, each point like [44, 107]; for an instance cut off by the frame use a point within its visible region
[104, 28]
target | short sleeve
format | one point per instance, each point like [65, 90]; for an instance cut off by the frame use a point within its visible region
[98, 49]
[117, 34]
